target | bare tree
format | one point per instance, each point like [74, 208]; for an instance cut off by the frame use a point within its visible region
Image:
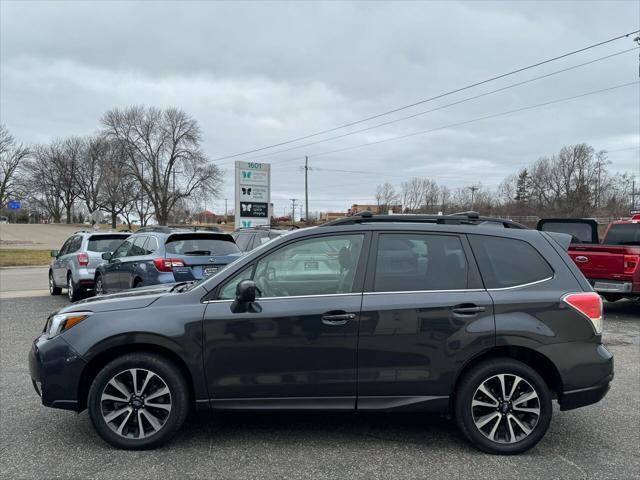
[386, 197]
[40, 182]
[117, 186]
[12, 155]
[90, 171]
[163, 154]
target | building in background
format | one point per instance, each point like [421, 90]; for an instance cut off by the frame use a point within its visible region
[375, 209]
[328, 216]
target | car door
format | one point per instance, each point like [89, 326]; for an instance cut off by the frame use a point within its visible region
[57, 266]
[298, 347]
[424, 314]
[112, 277]
[129, 263]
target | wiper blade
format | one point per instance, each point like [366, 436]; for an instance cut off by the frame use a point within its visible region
[198, 252]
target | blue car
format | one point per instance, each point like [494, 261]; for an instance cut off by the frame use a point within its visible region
[155, 255]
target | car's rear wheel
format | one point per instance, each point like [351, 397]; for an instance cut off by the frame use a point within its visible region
[138, 401]
[73, 291]
[53, 290]
[137, 283]
[503, 406]
[99, 286]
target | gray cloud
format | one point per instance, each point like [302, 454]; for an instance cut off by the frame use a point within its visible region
[258, 73]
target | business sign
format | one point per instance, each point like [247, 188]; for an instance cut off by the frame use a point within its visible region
[14, 205]
[253, 194]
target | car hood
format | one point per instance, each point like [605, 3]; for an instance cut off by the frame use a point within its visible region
[129, 299]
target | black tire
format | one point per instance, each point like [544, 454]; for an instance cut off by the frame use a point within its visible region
[488, 371]
[98, 286]
[178, 398]
[612, 297]
[137, 283]
[53, 290]
[74, 292]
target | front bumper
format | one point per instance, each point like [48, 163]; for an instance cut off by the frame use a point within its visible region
[55, 370]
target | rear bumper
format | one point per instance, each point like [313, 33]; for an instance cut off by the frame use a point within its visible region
[611, 286]
[599, 362]
[85, 277]
[585, 396]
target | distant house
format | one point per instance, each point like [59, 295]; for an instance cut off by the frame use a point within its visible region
[328, 216]
[375, 209]
[205, 216]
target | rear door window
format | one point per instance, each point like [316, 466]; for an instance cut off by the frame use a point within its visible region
[418, 262]
[243, 241]
[74, 244]
[190, 244]
[104, 243]
[508, 262]
[623, 234]
[137, 248]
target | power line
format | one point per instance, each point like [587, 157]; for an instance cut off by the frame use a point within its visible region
[451, 92]
[442, 107]
[478, 119]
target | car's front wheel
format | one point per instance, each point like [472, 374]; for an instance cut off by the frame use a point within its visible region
[138, 401]
[503, 406]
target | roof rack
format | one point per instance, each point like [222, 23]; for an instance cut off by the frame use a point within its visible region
[461, 218]
[173, 228]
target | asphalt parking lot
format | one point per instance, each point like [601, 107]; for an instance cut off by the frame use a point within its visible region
[600, 441]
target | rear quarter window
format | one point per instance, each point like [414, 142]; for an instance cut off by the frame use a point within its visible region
[508, 262]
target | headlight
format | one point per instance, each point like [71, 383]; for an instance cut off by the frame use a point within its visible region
[60, 322]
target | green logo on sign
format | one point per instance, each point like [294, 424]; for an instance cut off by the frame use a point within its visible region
[246, 223]
[246, 174]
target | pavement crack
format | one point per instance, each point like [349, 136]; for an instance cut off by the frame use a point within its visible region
[575, 465]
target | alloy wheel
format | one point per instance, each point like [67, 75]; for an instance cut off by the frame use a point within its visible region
[505, 408]
[99, 287]
[70, 289]
[136, 403]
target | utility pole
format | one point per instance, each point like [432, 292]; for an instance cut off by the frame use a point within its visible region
[306, 190]
[293, 211]
[473, 189]
[301, 212]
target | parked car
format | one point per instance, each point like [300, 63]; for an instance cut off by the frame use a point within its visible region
[464, 314]
[156, 255]
[611, 266]
[249, 238]
[73, 266]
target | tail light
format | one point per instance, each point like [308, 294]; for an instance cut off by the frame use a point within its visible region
[83, 259]
[631, 264]
[167, 264]
[588, 304]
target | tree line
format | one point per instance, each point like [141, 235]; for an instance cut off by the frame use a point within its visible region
[575, 182]
[143, 162]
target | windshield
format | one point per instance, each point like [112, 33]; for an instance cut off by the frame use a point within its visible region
[623, 234]
[105, 243]
[200, 245]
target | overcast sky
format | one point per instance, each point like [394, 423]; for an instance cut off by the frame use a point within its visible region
[255, 74]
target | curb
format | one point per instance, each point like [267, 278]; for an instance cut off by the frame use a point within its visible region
[15, 267]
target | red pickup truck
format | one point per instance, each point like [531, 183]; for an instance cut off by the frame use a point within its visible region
[611, 266]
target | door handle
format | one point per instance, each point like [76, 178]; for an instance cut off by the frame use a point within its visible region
[467, 309]
[338, 319]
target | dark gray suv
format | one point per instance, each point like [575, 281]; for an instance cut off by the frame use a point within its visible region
[460, 314]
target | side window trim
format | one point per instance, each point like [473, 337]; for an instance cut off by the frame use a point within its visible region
[372, 263]
[358, 281]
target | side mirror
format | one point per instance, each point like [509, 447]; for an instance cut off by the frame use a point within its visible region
[106, 256]
[246, 291]
[54, 253]
[245, 298]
